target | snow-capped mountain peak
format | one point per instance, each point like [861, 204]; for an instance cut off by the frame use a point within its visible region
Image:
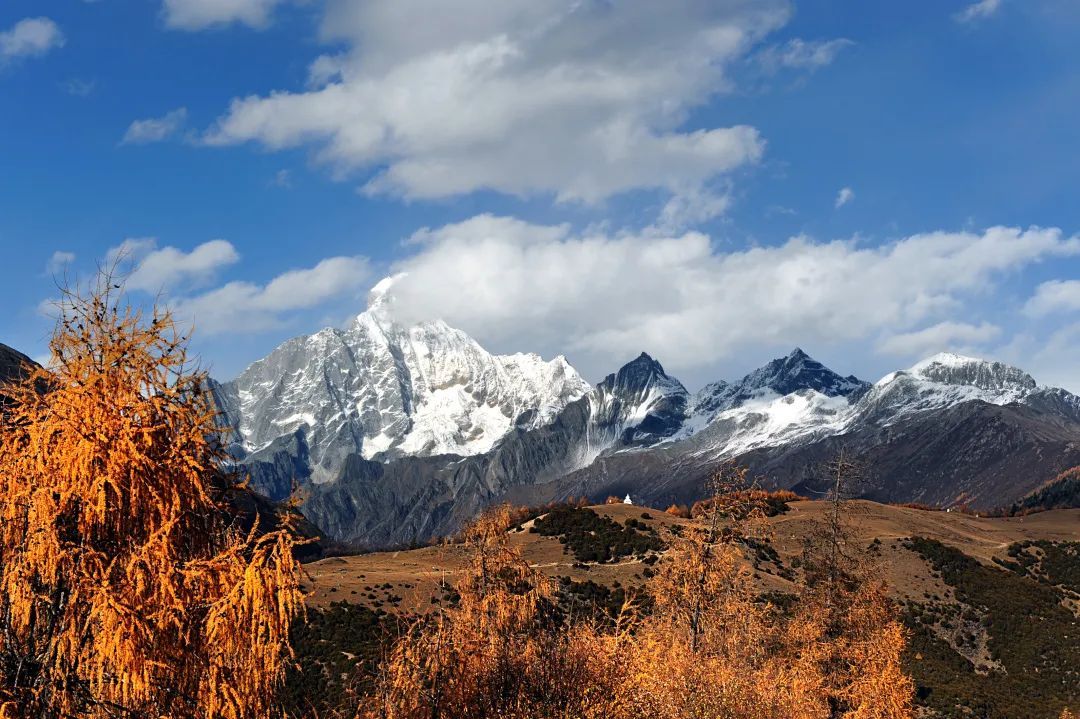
[781, 377]
[949, 368]
[944, 380]
[380, 388]
[638, 405]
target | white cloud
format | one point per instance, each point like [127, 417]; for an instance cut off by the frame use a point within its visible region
[157, 269]
[30, 37]
[801, 54]
[1054, 296]
[202, 14]
[603, 298]
[79, 88]
[978, 11]
[246, 308]
[283, 178]
[845, 196]
[577, 100]
[155, 129]
[59, 262]
[944, 336]
[692, 207]
[1051, 360]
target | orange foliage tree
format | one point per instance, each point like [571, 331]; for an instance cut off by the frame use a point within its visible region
[710, 648]
[860, 639]
[502, 651]
[125, 589]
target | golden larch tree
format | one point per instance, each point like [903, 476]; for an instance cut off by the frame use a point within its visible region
[711, 649]
[127, 589]
[844, 600]
[502, 651]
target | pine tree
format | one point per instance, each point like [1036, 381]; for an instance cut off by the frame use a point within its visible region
[125, 588]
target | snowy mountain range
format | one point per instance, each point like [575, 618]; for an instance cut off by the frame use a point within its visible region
[398, 433]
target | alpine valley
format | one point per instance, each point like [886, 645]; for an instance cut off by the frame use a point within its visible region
[395, 434]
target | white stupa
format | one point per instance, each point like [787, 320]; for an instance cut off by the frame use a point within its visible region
[627, 500]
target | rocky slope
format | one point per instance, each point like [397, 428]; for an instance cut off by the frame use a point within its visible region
[14, 366]
[950, 430]
[400, 433]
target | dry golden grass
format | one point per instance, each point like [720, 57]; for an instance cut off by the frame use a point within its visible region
[415, 575]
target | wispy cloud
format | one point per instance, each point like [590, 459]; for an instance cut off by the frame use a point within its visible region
[240, 308]
[202, 14]
[844, 196]
[30, 37]
[283, 179]
[944, 336]
[155, 129]
[77, 87]
[799, 54]
[1054, 296]
[533, 98]
[603, 297]
[58, 262]
[978, 11]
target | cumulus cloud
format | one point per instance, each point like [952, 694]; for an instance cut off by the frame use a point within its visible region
[202, 14]
[1054, 296]
[944, 336]
[30, 37]
[155, 129]
[844, 196]
[602, 298]
[239, 308]
[801, 54]
[156, 269]
[581, 101]
[978, 11]
[59, 262]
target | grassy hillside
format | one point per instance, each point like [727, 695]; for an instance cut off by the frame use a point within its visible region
[991, 603]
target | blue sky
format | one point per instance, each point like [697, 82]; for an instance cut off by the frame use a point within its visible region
[593, 178]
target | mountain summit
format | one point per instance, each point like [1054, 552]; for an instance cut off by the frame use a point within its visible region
[637, 405]
[381, 389]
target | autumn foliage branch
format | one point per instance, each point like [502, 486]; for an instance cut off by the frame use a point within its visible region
[126, 589]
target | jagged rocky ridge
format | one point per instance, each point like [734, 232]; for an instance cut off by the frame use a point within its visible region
[397, 434]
